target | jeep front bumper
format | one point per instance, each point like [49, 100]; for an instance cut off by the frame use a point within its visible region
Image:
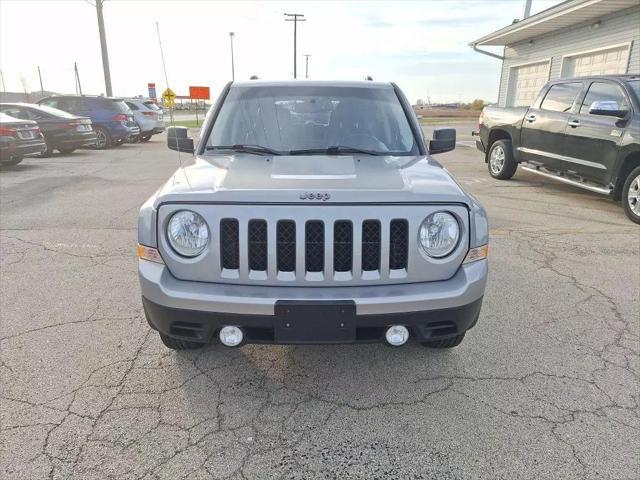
[195, 311]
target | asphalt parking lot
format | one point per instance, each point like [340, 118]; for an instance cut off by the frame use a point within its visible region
[546, 386]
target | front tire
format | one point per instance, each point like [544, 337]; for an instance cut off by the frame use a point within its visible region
[500, 160]
[446, 342]
[631, 195]
[175, 344]
[145, 138]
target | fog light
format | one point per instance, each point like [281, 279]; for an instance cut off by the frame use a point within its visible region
[231, 336]
[397, 335]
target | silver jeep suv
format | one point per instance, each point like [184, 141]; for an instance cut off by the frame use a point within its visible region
[313, 213]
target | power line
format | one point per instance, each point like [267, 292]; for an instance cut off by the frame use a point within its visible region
[295, 18]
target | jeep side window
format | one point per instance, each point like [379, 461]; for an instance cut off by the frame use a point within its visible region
[561, 96]
[604, 92]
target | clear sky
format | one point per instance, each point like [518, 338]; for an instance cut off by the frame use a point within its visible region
[421, 45]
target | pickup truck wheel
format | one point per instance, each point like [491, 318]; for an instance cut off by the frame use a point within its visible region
[445, 343]
[631, 195]
[500, 160]
[175, 344]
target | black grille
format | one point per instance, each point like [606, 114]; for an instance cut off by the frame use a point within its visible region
[286, 245]
[342, 246]
[229, 245]
[370, 245]
[257, 245]
[314, 246]
[398, 244]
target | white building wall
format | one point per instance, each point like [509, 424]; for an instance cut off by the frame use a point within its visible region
[616, 29]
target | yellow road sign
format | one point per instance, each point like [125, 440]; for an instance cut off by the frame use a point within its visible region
[168, 97]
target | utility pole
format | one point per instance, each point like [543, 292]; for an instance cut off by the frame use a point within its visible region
[78, 86]
[527, 8]
[233, 74]
[306, 66]
[40, 77]
[295, 18]
[2, 80]
[103, 46]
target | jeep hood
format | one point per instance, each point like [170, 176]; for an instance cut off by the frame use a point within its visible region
[247, 178]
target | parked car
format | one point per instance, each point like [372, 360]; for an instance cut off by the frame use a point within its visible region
[62, 131]
[19, 139]
[111, 118]
[580, 131]
[289, 231]
[148, 116]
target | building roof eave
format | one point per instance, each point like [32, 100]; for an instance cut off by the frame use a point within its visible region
[563, 15]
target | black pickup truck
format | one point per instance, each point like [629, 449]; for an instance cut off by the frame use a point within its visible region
[580, 131]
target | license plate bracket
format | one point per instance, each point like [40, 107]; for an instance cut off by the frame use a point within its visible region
[315, 322]
[26, 134]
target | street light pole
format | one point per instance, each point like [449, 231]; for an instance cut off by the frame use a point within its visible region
[233, 74]
[103, 46]
[295, 18]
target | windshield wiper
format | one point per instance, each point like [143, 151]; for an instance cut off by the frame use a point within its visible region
[257, 149]
[335, 150]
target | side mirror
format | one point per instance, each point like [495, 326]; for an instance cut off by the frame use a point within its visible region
[608, 108]
[444, 140]
[178, 139]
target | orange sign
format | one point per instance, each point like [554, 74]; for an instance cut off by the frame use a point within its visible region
[199, 93]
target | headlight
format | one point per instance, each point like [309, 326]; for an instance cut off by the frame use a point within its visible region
[187, 233]
[439, 234]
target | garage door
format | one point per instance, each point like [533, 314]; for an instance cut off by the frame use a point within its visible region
[525, 83]
[602, 62]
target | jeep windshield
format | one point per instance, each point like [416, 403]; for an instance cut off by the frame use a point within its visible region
[308, 120]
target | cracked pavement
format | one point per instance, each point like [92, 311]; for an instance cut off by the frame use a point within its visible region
[546, 386]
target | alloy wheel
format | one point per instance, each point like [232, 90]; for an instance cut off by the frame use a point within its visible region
[496, 160]
[633, 196]
[101, 140]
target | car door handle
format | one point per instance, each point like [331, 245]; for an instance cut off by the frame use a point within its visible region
[530, 118]
[574, 123]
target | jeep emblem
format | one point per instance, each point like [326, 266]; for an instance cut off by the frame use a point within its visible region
[324, 196]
